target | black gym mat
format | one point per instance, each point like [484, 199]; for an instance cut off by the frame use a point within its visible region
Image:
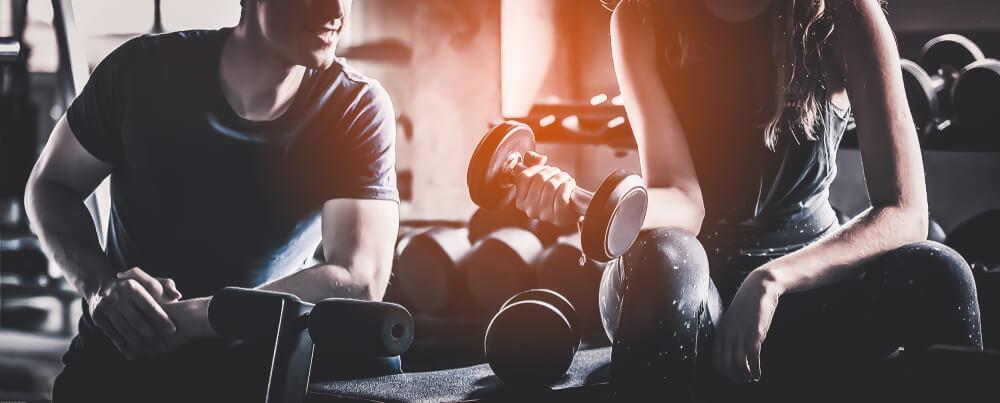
[586, 380]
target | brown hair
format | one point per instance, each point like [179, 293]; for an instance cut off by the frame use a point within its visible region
[799, 45]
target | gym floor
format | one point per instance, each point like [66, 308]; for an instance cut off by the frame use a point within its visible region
[454, 70]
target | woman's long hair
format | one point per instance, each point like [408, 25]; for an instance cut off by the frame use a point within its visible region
[799, 42]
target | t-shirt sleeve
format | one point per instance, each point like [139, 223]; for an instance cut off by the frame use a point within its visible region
[369, 157]
[95, 116]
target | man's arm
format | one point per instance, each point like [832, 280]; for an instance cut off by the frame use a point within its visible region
[64, 175]
[359, 219]
[358, 240]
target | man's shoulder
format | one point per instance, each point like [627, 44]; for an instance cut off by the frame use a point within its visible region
[169, 47]
[181, 39]
[343, 81]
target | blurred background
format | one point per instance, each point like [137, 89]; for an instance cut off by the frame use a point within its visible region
[453, 68]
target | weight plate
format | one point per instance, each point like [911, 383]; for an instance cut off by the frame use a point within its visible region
[976, 100]
[488, 186]
[499, 266]
[529, 343]
[949, 54]
[550, 297]
[427, 269]
[615, 216]
[920, 95]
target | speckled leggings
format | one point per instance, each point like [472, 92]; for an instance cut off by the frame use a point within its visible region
[660, 306]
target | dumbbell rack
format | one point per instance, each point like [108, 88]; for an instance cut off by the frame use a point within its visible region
[953, 90]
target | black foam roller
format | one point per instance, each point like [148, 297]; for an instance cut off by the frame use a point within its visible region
[361, 327]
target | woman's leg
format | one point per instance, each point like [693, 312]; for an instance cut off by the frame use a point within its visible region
[657, 302]
[913, 297]
[923, 294]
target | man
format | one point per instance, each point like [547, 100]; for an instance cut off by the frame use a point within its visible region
[231, 154]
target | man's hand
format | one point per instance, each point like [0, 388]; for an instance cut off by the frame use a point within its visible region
[744, 327]
[163, 290]
[131, 315]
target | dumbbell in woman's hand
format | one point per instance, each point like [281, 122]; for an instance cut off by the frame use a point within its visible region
[504, 162]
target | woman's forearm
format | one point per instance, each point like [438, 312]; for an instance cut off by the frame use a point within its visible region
[673, 207]
[66, 230]
[838, 256]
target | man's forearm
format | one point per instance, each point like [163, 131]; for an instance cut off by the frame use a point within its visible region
[66, 230]
[313, 284]
[327, 281]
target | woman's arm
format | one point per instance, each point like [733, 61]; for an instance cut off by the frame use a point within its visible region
[675, 198]
[893, 168]
[543, 191]
[895, 179]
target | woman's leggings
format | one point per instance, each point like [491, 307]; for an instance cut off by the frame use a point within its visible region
[660, 306]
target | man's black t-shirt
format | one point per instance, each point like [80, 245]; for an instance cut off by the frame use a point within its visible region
[210, 199]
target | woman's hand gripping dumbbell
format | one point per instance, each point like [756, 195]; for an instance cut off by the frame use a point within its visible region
[505, 169]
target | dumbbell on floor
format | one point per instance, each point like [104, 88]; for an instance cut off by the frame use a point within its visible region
[531, 341]
[427, 276]
[485, 221]
[500, 265]
[558, 268]
[929, 84]
[375, 329]
[612, 216]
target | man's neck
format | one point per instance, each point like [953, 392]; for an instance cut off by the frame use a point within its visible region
[256, 81]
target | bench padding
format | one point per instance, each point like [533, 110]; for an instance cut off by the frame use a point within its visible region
[590, 368]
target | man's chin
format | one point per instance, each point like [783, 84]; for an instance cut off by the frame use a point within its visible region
[319, 60]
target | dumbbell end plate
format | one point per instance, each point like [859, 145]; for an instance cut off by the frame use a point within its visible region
[487, 186]
[530, 343]
[920, 95]
[949, 51]
[615, 216]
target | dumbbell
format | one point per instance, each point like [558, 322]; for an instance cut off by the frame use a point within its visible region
[498, 266]
[356, 327]
[976, 240]
[10, 50]
[403, 236]
[559, 269]
[427, 275]
[531, 341]
[612, 216]
[976, 104]
[935, 232]
[485, 221]
[929, 85]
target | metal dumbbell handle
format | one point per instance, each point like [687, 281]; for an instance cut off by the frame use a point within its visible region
[579, 199]
[10, 50]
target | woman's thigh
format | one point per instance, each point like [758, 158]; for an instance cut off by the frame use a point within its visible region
[915, 296]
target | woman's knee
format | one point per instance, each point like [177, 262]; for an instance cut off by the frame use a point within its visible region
[669, 254]
[929, 261]
[927, 271]
[664, 273]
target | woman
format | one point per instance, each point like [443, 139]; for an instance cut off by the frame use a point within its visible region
[738, 107]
